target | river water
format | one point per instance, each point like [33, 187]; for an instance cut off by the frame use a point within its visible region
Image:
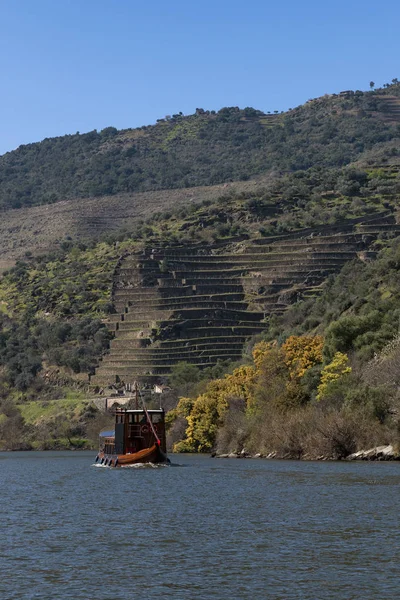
[206, 529]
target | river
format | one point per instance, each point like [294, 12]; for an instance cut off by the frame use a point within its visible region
[203, 529]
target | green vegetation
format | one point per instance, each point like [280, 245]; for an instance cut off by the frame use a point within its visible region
[290, 402]
[358, 310]
[201, 149]
[70, 407]
[42, 424]
[325, 166]
[75, 280]
[51, 330]
[51, 312]
[305, 199]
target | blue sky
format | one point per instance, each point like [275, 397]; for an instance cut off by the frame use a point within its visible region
[78, 65]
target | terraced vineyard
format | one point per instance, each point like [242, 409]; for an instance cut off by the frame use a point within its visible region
[200, 304]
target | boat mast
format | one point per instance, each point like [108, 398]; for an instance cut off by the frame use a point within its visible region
[136, 395]
[137, 392]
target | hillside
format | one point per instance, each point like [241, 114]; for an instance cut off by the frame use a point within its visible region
[206, 148]
[40, 229]
[195, 282]
[322, 382]
[151, 285]
[200, 305]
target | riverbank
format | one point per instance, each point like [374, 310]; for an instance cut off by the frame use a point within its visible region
[378, 453]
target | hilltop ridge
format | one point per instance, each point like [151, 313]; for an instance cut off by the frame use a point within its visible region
[206, 148]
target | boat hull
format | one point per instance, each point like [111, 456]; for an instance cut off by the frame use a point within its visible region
[154, 455]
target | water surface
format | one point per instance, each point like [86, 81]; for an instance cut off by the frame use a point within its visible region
[209, 529]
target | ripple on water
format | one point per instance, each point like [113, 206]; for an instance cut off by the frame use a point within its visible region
[211, 530]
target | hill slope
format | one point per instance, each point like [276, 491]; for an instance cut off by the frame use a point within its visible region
[190, 273]
[202, 149]
[200, 304]
[40, 229]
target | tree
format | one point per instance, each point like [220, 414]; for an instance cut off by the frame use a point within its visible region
[341, 335]
[332, 373]
[184, 376]
[271, 385]
[302, 353]
[371, 85]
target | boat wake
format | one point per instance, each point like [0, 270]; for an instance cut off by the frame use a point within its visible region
[145, 466]
[134, 466]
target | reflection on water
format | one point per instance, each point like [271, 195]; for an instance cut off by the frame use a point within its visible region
[216, 529]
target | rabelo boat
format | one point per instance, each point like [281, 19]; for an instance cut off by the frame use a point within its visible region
[139, 437]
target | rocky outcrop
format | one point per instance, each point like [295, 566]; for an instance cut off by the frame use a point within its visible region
[377, 453]
[380, 453]
[244, 454]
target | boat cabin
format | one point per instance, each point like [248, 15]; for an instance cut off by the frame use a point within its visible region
[134, 431]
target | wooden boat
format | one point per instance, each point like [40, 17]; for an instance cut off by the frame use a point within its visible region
[139, 437]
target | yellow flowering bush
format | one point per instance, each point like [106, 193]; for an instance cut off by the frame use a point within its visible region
[302, 353]
[333, 372]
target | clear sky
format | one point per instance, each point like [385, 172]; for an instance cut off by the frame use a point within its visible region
[79, 65]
